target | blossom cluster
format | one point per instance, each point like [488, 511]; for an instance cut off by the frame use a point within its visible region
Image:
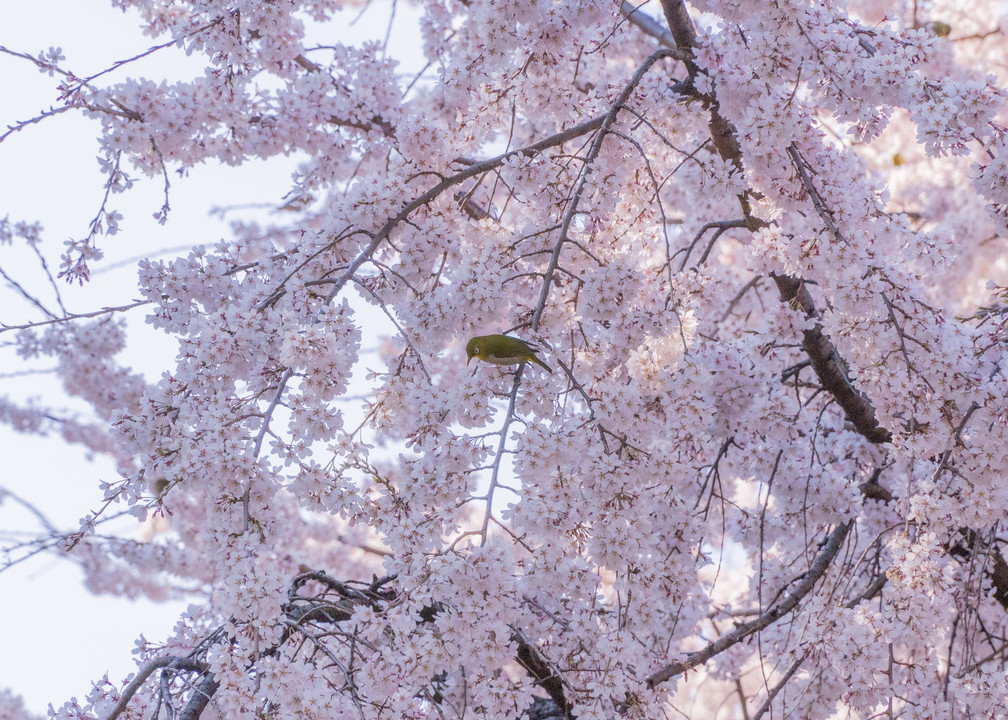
[766, 472]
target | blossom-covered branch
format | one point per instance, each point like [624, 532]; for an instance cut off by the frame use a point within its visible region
[761, 257]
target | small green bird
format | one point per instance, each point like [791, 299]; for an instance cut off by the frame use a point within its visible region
[502, 350]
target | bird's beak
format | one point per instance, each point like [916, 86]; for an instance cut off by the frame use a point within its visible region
[469, 359]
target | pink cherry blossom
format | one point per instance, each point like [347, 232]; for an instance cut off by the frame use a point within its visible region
[761, 245]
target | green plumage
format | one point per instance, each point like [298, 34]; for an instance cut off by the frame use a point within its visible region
[502, 350]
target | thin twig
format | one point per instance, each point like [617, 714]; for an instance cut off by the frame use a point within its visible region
[499, 455]
[474, 169]
[76, 316]
[596, 147]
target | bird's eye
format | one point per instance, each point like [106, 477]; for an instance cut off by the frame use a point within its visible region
[476, 351]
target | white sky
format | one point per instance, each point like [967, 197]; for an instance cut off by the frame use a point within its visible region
[57, 637]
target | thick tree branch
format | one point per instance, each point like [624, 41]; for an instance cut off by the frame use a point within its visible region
[999, 577]
[818, 568]
[547, 678]
[647, 24]
[200, 698]
[168, 661]
[681, 26]
[829, 366]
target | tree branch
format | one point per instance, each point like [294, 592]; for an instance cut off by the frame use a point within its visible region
[596, 147]
[829, 366]
[167, 661]
[474, 169]
[537, 666]
[75, 316]
[647, 24]
[818, 568]
[200, 698]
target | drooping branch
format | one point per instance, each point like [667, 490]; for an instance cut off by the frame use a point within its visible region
[509, 417]
[818, 568]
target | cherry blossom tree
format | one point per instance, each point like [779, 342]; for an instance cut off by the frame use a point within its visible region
[761, 245]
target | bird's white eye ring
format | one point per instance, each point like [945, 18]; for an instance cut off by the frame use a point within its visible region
[476, 351]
